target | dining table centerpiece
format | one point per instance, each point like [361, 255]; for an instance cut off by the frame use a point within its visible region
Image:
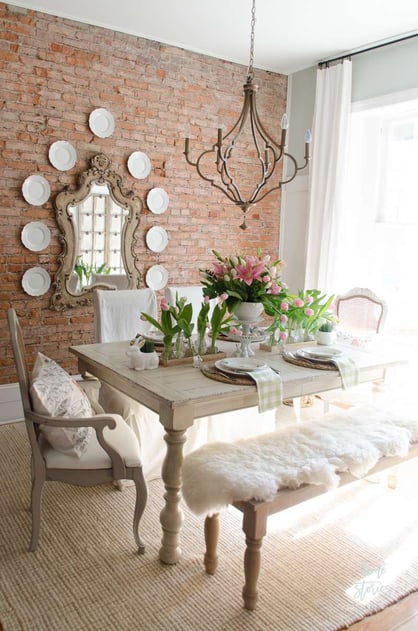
[248, 284]
[177, 327]
[245, 278]
[297, 317]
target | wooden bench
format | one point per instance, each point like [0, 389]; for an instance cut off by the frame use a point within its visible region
[256, 512]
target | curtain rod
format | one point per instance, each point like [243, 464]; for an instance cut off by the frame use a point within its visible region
[365, 50]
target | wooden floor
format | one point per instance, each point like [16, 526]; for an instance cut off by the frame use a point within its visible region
[402, 616]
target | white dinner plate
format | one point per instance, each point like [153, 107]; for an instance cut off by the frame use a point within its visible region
[102, 123]
[239, 365]
[156, 277]
[36, 281]
[319, 354]
[157, 201]
[35, 236]
[62, 155]
[36, 190]
[139, 165]
[157, 239]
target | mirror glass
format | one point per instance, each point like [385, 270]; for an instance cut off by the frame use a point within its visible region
[98, 222]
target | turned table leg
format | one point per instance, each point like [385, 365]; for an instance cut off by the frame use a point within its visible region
[211, 540]
[171, 516]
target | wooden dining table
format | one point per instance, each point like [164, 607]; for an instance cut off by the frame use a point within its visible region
[180, 394]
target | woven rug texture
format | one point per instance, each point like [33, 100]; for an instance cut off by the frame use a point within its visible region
[325, 564]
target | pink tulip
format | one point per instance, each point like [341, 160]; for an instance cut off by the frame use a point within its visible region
[284, 306]
[309, 312]
[284, 318]
[298, 302]
[308, 300]
[164, 304]
[206, 300]
[283, 336]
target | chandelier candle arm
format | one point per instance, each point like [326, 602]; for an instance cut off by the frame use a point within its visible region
[267, 155]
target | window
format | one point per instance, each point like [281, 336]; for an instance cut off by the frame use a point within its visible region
[381, 208]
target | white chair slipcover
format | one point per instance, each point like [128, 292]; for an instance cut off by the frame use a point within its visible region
[116, 318]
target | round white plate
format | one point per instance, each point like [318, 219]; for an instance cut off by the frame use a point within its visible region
[239, 365]
[157, 239]
[319, 354]
[36, 236]
[156, 277]
[62, 155]
[36, 281]
[102, 123]
[36, 190]
[157, 201]
[139, 165]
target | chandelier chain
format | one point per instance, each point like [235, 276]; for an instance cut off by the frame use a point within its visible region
[250, 74]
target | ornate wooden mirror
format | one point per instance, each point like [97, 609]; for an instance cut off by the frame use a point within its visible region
[97, 223]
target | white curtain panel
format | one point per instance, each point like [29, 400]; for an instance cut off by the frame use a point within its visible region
[327, 174]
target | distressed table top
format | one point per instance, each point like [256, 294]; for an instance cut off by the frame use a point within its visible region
[182, 393]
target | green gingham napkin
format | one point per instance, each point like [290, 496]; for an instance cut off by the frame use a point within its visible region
[348, 371]
[269, 388]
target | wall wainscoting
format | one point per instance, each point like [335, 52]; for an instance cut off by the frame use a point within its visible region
[10, 403]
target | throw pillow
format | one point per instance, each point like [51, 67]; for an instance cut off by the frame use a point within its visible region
[55, 393]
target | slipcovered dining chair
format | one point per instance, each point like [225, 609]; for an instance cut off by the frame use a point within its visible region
[69, 442]
[361, 317]
[194, 295]
[117, 318]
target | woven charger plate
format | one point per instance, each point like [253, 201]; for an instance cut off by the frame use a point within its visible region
[210, 370]
[307, 363]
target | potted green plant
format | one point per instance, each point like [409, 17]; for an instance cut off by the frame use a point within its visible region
[325, 334]
[150, 357]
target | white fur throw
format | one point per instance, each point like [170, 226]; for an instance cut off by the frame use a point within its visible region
[309, 453]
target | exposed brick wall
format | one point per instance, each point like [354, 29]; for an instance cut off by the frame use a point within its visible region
[53, 73]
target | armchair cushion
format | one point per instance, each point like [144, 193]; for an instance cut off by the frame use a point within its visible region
[122, 438]
[55, 393]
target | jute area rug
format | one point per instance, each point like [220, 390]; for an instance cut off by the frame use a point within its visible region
[326, 564]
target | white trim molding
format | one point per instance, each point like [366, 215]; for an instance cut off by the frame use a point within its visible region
[10, 403]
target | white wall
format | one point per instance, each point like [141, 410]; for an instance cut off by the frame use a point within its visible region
[376, 73]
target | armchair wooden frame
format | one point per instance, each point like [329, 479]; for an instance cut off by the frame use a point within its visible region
[41, 472]
[363, 295]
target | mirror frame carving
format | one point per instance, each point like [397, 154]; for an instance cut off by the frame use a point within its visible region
[100, 173]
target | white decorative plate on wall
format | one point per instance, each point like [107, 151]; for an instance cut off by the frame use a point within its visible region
[36, 236]
[36, 281]
[156, 277]
[36, 190]
[139, 165]
[62, 155]
[157, 239]
[102, 123]
[157, 200]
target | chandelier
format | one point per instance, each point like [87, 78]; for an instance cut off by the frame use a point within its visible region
[257, 144]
